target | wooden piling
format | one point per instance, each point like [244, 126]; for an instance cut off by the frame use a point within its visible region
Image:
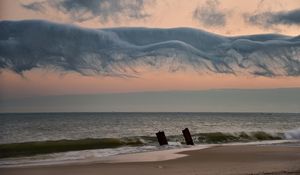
[161, 137]
[187, 136]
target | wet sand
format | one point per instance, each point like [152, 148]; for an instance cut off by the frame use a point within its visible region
[223, 160]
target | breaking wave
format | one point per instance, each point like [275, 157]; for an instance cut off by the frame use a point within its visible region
[293, 134]
[44, 147]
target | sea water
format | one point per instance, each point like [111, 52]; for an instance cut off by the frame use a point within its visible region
[31, 127]
[55, 126]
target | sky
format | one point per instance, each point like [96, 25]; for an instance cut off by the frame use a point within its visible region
[54, 48]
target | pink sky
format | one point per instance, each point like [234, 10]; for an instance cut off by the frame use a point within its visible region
[41, 82]
[164, 14]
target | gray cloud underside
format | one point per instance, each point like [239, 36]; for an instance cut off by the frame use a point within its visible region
[269, 19]
[103, 10]
[25, 45]
[209, 14]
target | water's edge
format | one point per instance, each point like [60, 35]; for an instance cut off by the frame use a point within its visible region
[56, 146]
[151, 155]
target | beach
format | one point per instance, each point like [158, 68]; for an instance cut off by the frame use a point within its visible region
[238, 159]
[149, 87]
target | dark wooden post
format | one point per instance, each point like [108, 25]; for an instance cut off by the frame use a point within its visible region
[187, 136]
[162, 139]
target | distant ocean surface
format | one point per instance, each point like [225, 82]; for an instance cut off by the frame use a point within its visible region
[140, 129]
[56, 126]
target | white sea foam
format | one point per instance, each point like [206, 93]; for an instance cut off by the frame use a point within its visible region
[178, 152]
[154, 156]
[71, 156]
[293, 134]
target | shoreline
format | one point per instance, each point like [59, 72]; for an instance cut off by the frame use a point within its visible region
[230, 159]
[122, 155]
[32, 148]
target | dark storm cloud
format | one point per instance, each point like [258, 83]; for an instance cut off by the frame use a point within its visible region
[271, 19]
[103, 10]
[210, 14]
[25, 45]
[35, 6]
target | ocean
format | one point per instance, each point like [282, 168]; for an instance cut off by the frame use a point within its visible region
[120, 133]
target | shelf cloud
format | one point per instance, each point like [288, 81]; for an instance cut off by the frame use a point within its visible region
[29, 44]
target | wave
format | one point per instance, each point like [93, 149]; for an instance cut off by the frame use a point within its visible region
[45, 147]
[293, 134]
[221, 137]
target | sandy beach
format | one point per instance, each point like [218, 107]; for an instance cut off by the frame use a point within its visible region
[253, 159]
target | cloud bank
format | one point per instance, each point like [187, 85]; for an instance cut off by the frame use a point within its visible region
[25, 45]
[210, 15]
[271, 19]
[103, 10]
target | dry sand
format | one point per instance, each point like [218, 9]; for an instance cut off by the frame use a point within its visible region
[221, 160]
